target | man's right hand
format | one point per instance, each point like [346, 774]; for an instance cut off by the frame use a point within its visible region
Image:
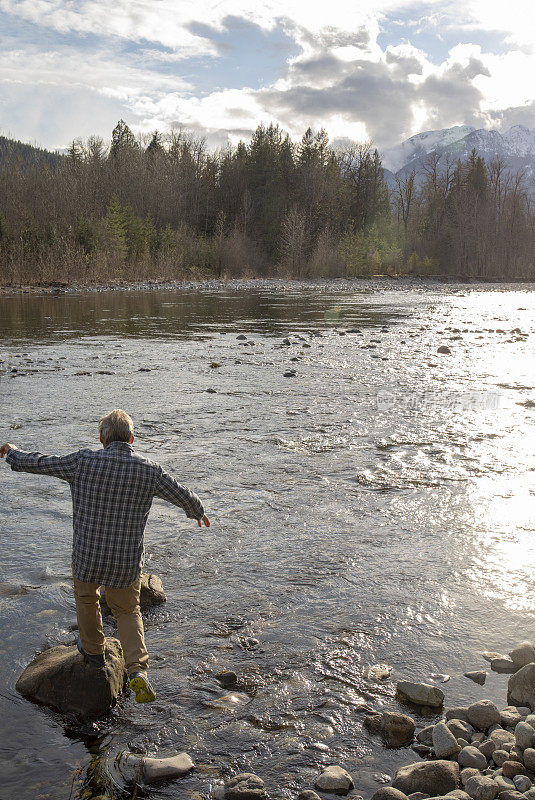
[205, 520]
[4, 450]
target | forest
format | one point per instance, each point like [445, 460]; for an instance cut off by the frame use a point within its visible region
[165, 207]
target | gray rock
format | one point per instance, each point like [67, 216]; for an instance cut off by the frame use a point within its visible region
[491, 655]
[431, 777]
[444, 349]
[487, 748]
[373, 723]
[458, 794]
[523, 654]
[477, 738]
[524, 735]
[483, 714]
[388, 793]
[478, 676]
[422, 694]
[530, 794]
[418, 796]
[501, 737]
[503, 665]
[444, 741]
[462, 742]
[504, 783]
[472, 757]
[397, 729]
[529, 758]
[499, 756]
[423, 750]
[480, 787]
[510, 716]
[510, 794]
[522, 783]
[245, 786]
[153, 770]
[60, 679]
[426, 735]
[334, 780]
[227, 678]
[521, 687]
[460, 728]
[530, 719]
[468, 773]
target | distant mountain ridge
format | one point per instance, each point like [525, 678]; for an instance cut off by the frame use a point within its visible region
[13, 152]
[516, 147]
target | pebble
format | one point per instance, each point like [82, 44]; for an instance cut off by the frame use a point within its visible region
[460, 728]
[501, 737]
[512, 768]
[468, 773]
[499, 756]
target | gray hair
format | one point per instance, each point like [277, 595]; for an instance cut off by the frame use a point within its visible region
[116, 426]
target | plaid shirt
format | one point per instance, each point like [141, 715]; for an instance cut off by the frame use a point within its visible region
[112, 491]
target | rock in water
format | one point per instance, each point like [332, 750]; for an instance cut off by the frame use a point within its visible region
[388, 793]
[434, 778]
[422, 694]
[334, 780]
[523, 654]
[397, 729]
[479, 676]
[60, 679]
[137, 768]
[521, 687]
[245, 786]
[503, 665]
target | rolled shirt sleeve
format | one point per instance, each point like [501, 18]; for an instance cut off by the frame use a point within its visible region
[63, 467]
[167, 488]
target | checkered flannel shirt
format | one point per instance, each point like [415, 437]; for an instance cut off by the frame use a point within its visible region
[112, 491]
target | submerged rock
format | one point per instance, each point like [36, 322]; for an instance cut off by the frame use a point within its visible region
[245, 786]
[60, 679]
[422, 694]
[334, 780]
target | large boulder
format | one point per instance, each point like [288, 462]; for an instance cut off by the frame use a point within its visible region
[521, 687]
[523, 654]
[151, 594]
[421, 694]
[434, 778]
[483, 714]
[334, 780]
[60, 679]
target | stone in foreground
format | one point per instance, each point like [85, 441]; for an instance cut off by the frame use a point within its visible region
[245, 786]
[334, 780]
[388, 793]
[434, 778]
[444, 742]
[521, 687]
[483, 714]
[523, 654]
[60, 679]
[422, 694]
[152, 770]
[481, 788]
[397, 729]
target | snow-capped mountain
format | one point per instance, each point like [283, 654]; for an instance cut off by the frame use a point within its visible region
[516, 147]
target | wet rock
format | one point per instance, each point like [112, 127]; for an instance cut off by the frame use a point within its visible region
[529, 758]
[431, 777]
[334, 780]
[479, 676]
[524, 735]
[378, 672]
[60, 679]
[512, 768]
[521, 687]
[483, 714]
[522, 783]
[388, 793]
[422, 694]
[503, 665]
[152, 770]
[480, 787]
[523, 654]
[472, 757]
[245, 786]
[228, 679]
[397, 729]
[510, 716]
[241, 337]
[444, 349]
[373, 722]
[444, 742]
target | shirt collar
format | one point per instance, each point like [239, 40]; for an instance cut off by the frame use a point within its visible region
[119, 445]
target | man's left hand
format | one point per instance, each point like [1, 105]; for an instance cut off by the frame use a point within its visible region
[4, 450]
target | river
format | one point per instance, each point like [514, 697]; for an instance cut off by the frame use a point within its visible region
[375, 507]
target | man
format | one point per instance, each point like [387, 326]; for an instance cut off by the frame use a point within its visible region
[112, 492]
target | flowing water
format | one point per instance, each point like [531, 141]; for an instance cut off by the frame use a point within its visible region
[377, 507]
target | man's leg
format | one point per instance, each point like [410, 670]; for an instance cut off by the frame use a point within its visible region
[87, 596]
[124, 605]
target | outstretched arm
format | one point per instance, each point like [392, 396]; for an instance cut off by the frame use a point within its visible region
[167, 488]
[63, 467]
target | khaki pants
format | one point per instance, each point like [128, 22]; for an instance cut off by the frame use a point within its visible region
[124, 605]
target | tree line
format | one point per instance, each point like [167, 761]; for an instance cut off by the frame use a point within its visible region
[166, 207]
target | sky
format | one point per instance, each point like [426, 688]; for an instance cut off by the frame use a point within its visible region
[379, 70]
